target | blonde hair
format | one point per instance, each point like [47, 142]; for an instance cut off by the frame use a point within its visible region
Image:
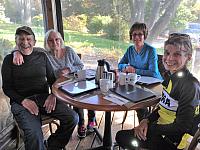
[46, 46]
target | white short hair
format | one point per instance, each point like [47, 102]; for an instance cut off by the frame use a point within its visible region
[46, 46]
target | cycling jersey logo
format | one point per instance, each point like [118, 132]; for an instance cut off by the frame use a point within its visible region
[168, 102]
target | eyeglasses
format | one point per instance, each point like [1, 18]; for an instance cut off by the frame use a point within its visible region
[139, 34]
[179, 35]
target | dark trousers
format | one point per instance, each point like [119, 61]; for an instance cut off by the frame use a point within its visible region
[80, 112]
[31, 124]
[125, 138]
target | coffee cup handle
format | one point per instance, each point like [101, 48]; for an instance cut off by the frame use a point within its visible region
[138, 77]
[115, 74]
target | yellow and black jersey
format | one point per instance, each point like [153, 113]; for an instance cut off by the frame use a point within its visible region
[180, 99]
[178, 105]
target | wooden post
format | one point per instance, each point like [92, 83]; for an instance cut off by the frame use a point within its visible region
[59, 18]
[52, 15]
[47, 14]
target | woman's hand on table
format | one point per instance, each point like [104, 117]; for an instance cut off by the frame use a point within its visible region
[129, 69]
[50, 103]
[141, 130]
[64, 72]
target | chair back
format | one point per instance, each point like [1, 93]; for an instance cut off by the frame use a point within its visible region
[161, 67]
[195, 140]
[79, 54]
[195, 133]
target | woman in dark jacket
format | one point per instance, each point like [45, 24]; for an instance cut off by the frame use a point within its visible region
[169, 126]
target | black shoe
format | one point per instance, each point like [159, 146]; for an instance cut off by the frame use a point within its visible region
[47, 148]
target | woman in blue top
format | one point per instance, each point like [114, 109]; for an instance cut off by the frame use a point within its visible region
[140, 58]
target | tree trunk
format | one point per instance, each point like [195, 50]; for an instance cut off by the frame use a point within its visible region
[163, 21]
[137, 8]
[154, 14]
[133, 11]
[27, 12]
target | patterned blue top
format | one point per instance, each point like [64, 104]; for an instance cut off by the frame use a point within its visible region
[145, 62]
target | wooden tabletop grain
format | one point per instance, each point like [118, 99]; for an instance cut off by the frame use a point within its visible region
[95, 100]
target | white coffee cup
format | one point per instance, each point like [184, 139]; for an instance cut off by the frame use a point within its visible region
[132, 78]
[122, 78]
[104, 85]
[80, 75]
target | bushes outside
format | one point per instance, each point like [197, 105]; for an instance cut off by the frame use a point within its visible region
[117, 30]
[111, 28]
[37, 21]
[75, 23]
[5, 47]
[96, 23]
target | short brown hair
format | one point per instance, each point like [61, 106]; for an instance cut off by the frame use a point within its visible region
[182, 41]
[139, 26]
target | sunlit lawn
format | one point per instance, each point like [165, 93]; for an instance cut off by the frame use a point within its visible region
[7, 31]
[84, 43]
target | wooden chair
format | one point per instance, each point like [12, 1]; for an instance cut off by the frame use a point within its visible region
[195, 140]
[161, 66]
[196, 134]
[49, 120]
[79, 54]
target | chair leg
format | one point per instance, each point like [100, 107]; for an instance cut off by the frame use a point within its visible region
[56, 123]
[124, 118]
[50, 125]
[50, 128]
[18, 138]
[19, 132]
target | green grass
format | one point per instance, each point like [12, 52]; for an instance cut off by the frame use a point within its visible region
[94, 40]
[72, 38]
[78, 40]
[7, 31]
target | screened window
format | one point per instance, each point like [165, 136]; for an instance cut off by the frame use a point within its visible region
[100, 29]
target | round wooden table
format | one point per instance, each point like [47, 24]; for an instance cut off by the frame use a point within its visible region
[97, 102]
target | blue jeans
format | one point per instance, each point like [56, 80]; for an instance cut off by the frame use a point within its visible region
[31, 124]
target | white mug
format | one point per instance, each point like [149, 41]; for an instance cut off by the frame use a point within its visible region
[80, 75]
[132, 78]
[104, 85]
[122, 78]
